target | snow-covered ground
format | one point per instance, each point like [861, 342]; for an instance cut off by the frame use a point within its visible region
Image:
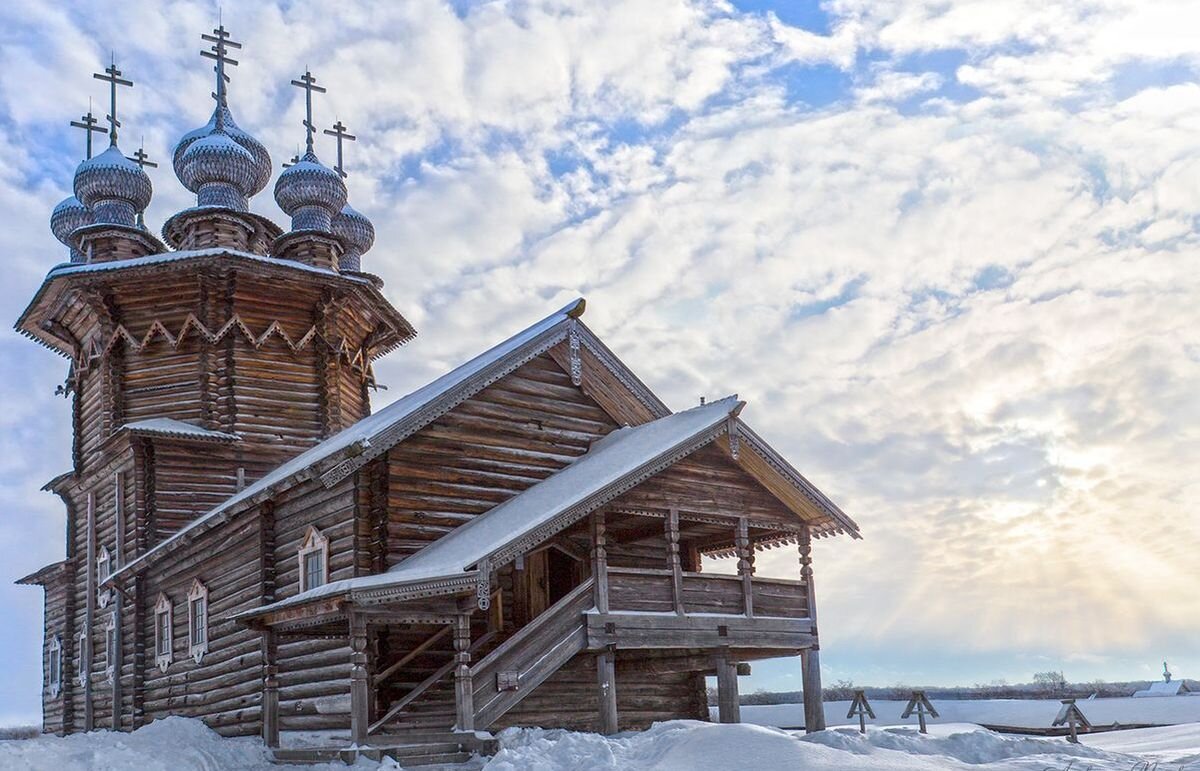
[1025, 713]
[178, 744]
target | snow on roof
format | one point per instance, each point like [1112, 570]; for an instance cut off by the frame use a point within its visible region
[177, 428]
[612, 460]
[1162, 688]
[71, 268]
[364, 431]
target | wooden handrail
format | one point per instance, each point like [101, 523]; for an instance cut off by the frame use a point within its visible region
[639, 571]
[532, 627]
[417, 651]
[426, 684]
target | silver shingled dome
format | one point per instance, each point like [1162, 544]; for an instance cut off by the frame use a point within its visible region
[310, 193]
[113, 187]
[219, 171]
[357, 234]
[262, 159]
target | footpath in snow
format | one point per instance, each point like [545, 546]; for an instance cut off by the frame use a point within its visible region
[179, 744]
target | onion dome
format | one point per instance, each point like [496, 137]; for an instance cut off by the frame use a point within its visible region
[262, 159]
[66, 218]
[310, 193]
[357, 235]
[219, 171]
[113, 187]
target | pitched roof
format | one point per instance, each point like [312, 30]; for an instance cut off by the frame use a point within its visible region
[339, 455]
[614, 464]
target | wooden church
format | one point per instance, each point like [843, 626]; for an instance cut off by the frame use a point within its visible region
[518, 542]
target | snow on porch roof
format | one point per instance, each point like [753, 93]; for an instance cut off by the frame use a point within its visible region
[615, 463]
[360, 435]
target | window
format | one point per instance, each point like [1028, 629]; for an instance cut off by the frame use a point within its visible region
[54, 665]
[314, 560]
[103, 571]
[83, 661]
[198, 620]
[162, 632]
[112, 656]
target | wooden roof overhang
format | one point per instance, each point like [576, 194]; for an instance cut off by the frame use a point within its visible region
[38, 320]
[55, 571]
[430, 602]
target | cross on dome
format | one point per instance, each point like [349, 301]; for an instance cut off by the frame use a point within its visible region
[309, 84]
[340, 132]
[88, 122]
[219, 52]
[113, 77]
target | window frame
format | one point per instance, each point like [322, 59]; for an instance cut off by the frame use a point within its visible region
[103, 571]
[164, 607]
[83, 661]
[112, 653]
[54, 665]
[314, 543]
[197, 649]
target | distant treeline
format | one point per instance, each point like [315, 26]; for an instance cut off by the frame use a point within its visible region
[844, 691]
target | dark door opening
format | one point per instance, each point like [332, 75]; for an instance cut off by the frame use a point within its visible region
[562, 572]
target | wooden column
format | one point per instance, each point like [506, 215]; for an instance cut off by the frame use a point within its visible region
[85, 654]
[464, 689]
[117, 656]
[606, 680]
[672, 527]
[270, 702]
[359, 693]
[728, 708]
[600, 560]
[810, 659]
[745, 554]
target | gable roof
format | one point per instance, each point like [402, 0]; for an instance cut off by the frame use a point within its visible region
[614, 464]
[340, 455]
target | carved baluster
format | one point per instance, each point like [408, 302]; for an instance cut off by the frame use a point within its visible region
[359, 689]
[464, 689]
[672, 532]
[745, 555]
[600, 561]
[270, 705]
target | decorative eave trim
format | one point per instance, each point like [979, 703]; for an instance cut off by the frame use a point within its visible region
[621, 372]
[507, 553]
[842, 523]
[402, 429]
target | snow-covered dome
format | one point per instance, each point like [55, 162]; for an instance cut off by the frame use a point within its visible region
[310, 193]
[113, 187]
[69, 215]
[262, 159]
[357, 235]
[219, 171]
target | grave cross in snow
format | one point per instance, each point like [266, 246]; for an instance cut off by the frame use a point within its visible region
[1070, 715]
[920, 703]
[862, 709]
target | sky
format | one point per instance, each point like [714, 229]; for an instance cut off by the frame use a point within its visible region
[947, 252]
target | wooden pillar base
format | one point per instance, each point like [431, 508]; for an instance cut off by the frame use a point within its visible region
[606, 680]
[814, 708]
[729, 709]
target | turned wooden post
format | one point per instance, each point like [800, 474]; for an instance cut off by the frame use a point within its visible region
[600, 561]
[810, 658]
[606, 680]
[729, 710]
[745, 566]
[89, 619]
[359, 692]
[672, 532]
[464, 689]
[270, 702]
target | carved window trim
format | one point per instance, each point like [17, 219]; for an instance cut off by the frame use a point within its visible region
[314, 544]
[103, 571]
[54, 664]
[112, 654]
[83, 662]
[197, 620]
[163, 634]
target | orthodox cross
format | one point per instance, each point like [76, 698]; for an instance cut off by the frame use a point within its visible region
[141, 158]
[339, 131]
[113, 77]
[309, 84]
[219, 52]
[920, 703]
[295, 159]
[88, 124]
[861, 708]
